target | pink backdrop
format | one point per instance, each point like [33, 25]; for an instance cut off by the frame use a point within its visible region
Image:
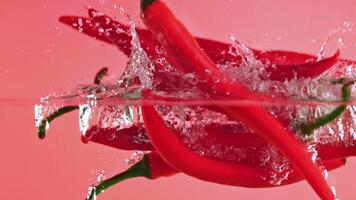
[39, 55]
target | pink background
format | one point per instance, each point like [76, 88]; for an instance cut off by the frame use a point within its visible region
[39, 55]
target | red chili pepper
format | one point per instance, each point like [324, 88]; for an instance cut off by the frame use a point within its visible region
[151, 166]
[183, 48]
[125, 140]
[104, 28]
[135, 138]
[294, 64]
[281, 65]
[198, 166]
[132, 138]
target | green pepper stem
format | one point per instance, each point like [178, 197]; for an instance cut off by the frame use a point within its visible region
[42, 127]
[139, 169]
[103, 72]
[44, 122]
[307, 129]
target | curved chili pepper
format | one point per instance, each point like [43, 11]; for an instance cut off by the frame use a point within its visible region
[233, 135]
[126, 139]
[103, 27]
[305, 70]
[285, 70]
[170, 33]
[293, 65]
[135, 137]
[100, 25]
[151, 166]
[198, 166]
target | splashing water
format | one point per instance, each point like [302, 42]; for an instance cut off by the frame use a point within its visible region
[117, 105]
[346, 27]
[84, 117]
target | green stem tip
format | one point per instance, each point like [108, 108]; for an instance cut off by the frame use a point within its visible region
[139, 169]
[145, 4]
[103, 72]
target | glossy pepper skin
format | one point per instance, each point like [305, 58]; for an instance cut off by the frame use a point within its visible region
[294, 65]
[155, 167]
[152, 166]
[184, 49]
[209, 169]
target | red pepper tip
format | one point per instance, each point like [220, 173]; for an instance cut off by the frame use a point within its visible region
[146, 3]
[84, 139]
[64, 19]
[67, 20]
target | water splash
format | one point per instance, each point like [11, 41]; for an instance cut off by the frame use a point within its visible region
[346, 27]
[139, 65]
[278, 165]
[85, 114]
[118, 105]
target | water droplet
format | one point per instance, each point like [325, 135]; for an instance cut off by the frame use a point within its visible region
[135, 157]
[341, 42]
[85, 112]
[38, 115]
[100, 175]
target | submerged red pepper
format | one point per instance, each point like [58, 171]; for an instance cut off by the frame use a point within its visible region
[154, 167]
[133, 138]
[208, 169]
[136, 138]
